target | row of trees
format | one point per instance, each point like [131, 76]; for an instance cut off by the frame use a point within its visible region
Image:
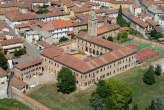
[149, 77]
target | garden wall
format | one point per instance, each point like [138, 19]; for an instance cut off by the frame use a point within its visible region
[28, 101]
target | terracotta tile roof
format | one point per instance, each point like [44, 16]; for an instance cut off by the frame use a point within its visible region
[2, 72]
[121, 2]
[11, 41]
[21, 17]
[82, 9]
[124, 28]
[151, 22]
[107, 28]
[44, 44]
[52, 51]
[19, 84]
[73, 62]
[57, 24]
[9, 5]
[136, 6]
[28, 63]
[139, 22]
[2, 37]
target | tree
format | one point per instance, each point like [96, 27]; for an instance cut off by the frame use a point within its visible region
[19, 52]
[82, 30]
[3, 61]
[110, 38]
[121, 93]
[73, 36]
[149, 77]
[156, 35]
[96, 102]
[62, 39]
[66, 81]
[135, 107]
[124, 35]
[114, 94]
[158, 70]
[119, 36]
[122, 22]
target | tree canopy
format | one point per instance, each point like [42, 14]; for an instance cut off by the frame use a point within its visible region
[66, 81]
[112, 94]
[156, 35]
[3, 61]
[149, 77]
[19, 52]
[158, 70]
[62, 39]
[122, 22]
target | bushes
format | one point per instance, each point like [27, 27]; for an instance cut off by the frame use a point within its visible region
[135, 32]
[155, 35]
[83, 30]
[122, 37]
[110, 38]
[19, 52]
[62, 39]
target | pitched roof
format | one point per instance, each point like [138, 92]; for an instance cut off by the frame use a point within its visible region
[107, 28]
[57, 24]
[139, 22]
[11, 41]
[44, 44]
[2, 72]
[52, 51]
[28, 63]
[19, 84]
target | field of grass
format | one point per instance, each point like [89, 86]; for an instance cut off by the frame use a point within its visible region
[142, 46]
[12, 104]
[79, 100]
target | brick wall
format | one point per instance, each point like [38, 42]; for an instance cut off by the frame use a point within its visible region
[28, 101]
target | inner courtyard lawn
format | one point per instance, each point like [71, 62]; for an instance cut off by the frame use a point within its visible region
[79, 100]
[12, 104]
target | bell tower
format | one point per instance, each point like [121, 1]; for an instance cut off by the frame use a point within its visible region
[92, 24]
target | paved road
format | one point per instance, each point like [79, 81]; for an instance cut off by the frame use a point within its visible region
[31, 50]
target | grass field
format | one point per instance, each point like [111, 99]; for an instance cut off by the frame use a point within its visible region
[142, 46]
[142, 93]
[12, 104]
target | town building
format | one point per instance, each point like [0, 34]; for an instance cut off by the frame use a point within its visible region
[102, 59]
[27, 69]
[9, 46]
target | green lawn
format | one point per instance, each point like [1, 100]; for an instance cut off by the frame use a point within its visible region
[142, 93]
[12, 104]
[142, 45]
